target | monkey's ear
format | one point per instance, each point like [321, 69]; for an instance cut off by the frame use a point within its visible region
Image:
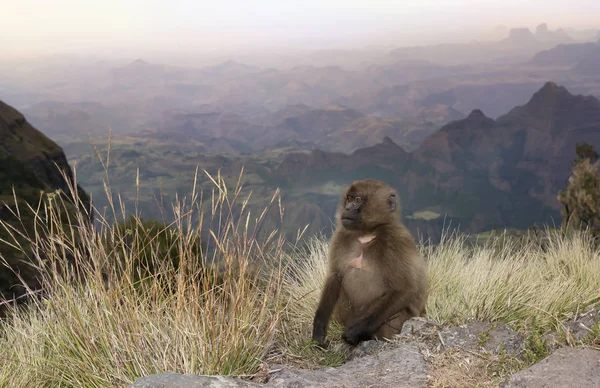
[392, 202]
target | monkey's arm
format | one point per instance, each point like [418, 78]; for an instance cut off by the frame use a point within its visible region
[329, 298]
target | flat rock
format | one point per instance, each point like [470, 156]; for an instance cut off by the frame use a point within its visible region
[483, 336]
[566, 367]
[366, 348]
[178, 380]
[413, 329]
[402, 366]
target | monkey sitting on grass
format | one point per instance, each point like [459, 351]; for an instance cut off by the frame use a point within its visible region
[376, 278]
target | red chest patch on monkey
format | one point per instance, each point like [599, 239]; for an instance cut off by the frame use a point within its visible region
[359, 262]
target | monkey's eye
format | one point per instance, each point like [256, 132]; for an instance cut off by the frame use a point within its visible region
[358, 199]
[349, 199]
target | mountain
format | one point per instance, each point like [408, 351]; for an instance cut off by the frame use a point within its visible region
[543, 33]
[564, 54]
[526, 151]
[590, 64]
[62, 120]
[520, 36]
[332, 128]
[583, 57]
[520, 44]
[29, 163]
[494, 98]
[478, 172]
[230, 68]
[138, 73]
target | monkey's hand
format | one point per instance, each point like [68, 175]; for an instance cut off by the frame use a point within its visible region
[323, 345]
[318, 336]
[354, 334]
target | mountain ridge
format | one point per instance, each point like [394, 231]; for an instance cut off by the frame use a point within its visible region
[479, 172]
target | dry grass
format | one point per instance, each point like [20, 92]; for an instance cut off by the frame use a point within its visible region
[302, 284]
[103, 319]
[456, 369]
[516, 283]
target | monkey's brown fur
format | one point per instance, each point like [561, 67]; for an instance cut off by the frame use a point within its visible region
[377, 278]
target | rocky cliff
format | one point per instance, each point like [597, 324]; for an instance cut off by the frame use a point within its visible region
[30, 163]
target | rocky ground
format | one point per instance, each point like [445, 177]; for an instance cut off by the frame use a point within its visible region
[480, 354]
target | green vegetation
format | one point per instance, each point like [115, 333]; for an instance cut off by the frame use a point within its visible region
[581, 198]
[102, 320]
[424, 215]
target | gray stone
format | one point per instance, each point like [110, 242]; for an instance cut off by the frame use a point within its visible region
[367, 348]
[418, 326]
[402, 366]
[399, 366]
[483, 336]
[178, 380]
[413, 329]
[577, 329]
[581, 327]
[566, 367]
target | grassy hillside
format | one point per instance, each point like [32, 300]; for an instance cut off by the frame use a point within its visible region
[100, 324]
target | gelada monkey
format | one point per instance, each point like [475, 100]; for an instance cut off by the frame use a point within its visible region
[376, 278]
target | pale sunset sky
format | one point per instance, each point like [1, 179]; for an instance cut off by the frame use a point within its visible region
[69, 25]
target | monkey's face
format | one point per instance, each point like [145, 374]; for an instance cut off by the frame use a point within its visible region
[351, 212]
[367, 205]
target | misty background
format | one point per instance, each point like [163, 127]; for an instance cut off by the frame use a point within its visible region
[469, 108]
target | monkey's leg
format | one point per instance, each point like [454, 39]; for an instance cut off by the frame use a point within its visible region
[377, 314]
[393, 325]
[329, 298]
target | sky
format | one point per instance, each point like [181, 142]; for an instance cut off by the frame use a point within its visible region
[50, 26]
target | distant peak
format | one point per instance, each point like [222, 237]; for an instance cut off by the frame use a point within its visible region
[520, 33]
[550, 85]
[232, 64]
[229, 62]
[386, 147]
[550, 89]
[476, 113]
[554, 102]
[541, 29]
[388, 140]
[139, 62]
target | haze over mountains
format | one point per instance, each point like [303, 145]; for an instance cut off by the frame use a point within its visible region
[470, 133]
[476, 172]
